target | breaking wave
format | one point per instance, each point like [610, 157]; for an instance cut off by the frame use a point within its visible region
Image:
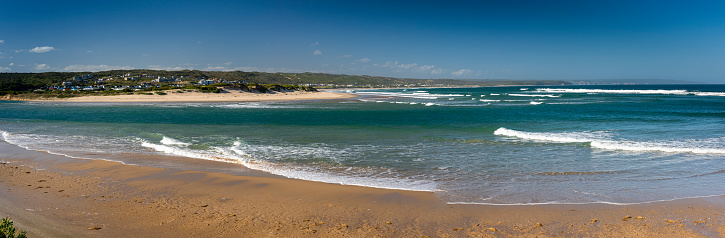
[628, 91]
[238, 153]
[602, 140]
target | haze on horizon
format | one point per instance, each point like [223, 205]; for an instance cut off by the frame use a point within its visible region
[568, 40]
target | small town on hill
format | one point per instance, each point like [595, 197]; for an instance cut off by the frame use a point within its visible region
[69, 84]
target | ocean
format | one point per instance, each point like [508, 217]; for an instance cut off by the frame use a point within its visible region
[490, 145]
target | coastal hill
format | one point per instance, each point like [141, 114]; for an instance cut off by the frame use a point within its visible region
[13, 83]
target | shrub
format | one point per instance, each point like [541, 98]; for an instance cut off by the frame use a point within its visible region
[261, 89]
[8, 230]
[209, 89]
[161, 93]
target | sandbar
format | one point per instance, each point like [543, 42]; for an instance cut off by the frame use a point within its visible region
[228, 95]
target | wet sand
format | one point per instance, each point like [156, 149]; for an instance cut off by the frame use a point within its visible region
[56, 196]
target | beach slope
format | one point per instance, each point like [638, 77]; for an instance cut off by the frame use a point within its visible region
[228, 95]
[90, 198]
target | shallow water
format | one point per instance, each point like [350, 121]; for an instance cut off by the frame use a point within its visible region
[499, 145]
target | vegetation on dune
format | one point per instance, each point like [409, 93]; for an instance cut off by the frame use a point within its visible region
[116, 82]
[7, 230]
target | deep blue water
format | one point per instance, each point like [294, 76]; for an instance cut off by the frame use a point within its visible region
[501, 145]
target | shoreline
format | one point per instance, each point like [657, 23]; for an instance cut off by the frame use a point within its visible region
[53, 195]
[228, 95]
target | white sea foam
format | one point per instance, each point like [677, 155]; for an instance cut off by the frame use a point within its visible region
[668, 146]
[581, 203]
[238, 154]
[533, 95]
[172, 141]
[628, 91]
[550, 137]
[5, 134]
[719, 94]
[244, 105]
[602, 140]
[253, 105]
[51, 145]
[535, 103]
[416, 95]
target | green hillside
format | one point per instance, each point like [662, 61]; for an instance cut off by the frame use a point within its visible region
[25, 82]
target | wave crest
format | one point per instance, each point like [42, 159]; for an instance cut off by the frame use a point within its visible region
[628, 91]
[601, 140]
[239, 153]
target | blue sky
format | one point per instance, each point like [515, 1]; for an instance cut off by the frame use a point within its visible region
[571, 40]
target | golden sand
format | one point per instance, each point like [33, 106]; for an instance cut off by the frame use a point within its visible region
[228, 95]
[84, 198]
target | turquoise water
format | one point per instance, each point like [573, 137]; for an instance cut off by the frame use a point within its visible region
[497, 145]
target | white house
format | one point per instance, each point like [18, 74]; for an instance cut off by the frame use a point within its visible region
[206, 82]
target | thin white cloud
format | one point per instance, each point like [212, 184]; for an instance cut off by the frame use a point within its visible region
[389, 64]
[2, 41]
[461, 72]
[427, 67]
[430, 69]
[11, 64]
[217, 68]
[5, 69]
[42, 67]
[228, 63]
[317, 52]
[249, 69]
[365, 60]
[346, 56]
[168, 68]
[93, 68]
[415, 68]
[408, 66]
[18, 51]
[42, 49]
[398, 66]
[315, 43]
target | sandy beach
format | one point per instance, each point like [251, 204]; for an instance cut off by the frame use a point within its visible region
[55, 196]
[228, 95]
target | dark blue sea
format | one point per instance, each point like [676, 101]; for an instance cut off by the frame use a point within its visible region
[490, 145]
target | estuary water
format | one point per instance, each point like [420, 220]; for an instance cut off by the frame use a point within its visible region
[492, 145]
